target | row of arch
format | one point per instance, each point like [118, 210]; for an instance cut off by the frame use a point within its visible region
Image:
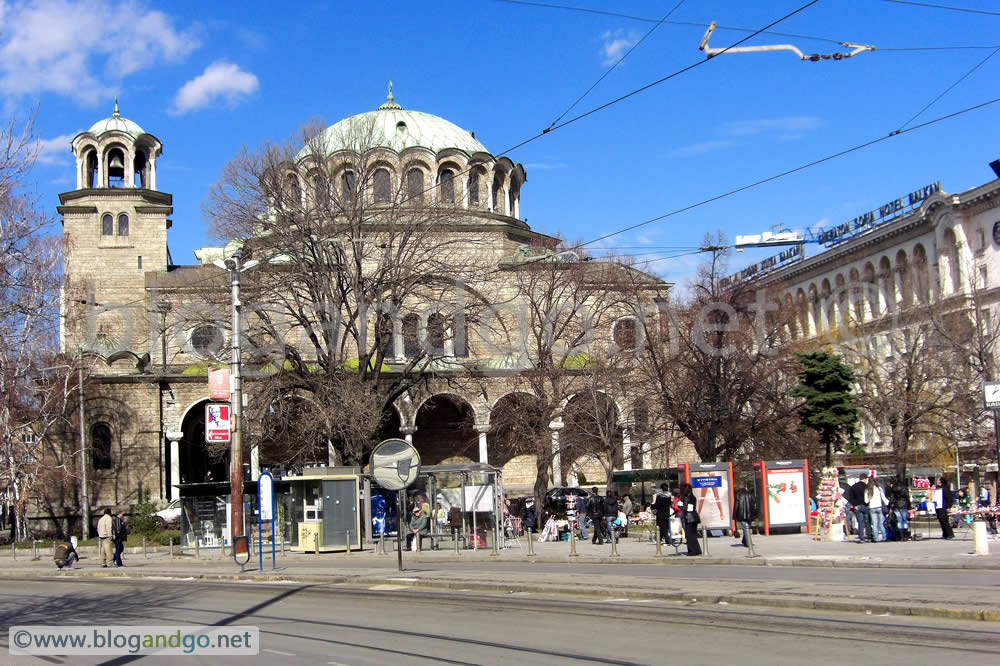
[879, 287]
[116, 164]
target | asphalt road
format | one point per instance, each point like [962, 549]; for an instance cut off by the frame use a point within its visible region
[345, 625]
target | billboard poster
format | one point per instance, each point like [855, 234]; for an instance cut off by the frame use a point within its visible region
[216, 423]
[786, 496]
[712, 490]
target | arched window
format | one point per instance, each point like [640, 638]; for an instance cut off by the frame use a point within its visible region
[123, 225]
[640, 420]
[116, 168]
[474, 189]
[107, 225]
[448, 186]
[624, 333]
[415, 186]
[320, 191]
[383, 335]
[460, 337]
[139, 170]
[90, 169]
[347, 184]
[292, 191]
[100, 446]
[498, 194]
[436, 334]
[383, 187]
[411, 340]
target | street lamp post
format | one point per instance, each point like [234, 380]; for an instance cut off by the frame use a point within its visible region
[232, 264]
[84, 492]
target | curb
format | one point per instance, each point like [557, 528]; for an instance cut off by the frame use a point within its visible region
[867, 607]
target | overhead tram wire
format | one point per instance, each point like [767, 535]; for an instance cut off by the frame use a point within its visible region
[620, 61]
[802, 167]
[933, 6]
[949, 88]
[647, 19]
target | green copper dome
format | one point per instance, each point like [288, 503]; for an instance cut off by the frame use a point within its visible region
[397, 128]
[116, 123]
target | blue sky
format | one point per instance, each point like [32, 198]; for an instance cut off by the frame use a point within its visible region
[208, 78]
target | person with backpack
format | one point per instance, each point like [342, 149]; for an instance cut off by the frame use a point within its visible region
[595, 509]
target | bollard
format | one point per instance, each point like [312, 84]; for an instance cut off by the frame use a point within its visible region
[749, 532]
[494, 553]
[980, 542]
[614, 542]
[145, 555]
[572, 542]
[659, 544]
[316, 542]
[456, 538]
[531, 548]
[223, 547]
[53, 548]
[381, 543]
[13, 552]
[348, 549]
[171, 547]
[197, 548]
[420, 542]
[34, 550]
[704, 540]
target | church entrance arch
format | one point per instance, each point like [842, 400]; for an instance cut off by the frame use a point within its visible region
[445, 431]
[198, 462]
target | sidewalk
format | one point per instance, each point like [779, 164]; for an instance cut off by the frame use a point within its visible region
[512, 570]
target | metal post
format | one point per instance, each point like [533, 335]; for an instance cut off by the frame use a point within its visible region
[704, 539]
[456, 536]
[572, 542]
[316, 542]
[614, 542]
[171, 547]
[197, 548]
[531, 548]
[34, 549]
[996, 432]
[84, 491]
[381, 542]
[13, 551]
[145, 555]
[494, 553]
[659, 544]
[348, 549]
[748, 531]
[236, 444]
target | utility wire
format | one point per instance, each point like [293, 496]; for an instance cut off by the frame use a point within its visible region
[927, 4]
[949, 89]
[788, 172]
[620, 61]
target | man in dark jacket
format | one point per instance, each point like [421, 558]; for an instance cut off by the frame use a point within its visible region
[610, 514]
[662, 508]
[119, 533]
[65, 554]
[595, 509]
[745, 512]
[943, 499]
[529, 518]
[855, 495]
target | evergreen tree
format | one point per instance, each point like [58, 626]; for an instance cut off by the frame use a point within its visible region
[825, 382]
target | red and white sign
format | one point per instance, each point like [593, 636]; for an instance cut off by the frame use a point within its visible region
[785, 496]
[218, 384]
[216, 423]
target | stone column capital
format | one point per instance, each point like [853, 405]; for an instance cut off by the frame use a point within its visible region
[174, 436]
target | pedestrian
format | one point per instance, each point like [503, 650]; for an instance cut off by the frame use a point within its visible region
[581, 516]
[663, 506]
[119, 533]
[855, 496]
[529, 518]
[610, 514]
[627, 508]
[455, 521]
[745, 512]
[876, 500]
[984, 496]
[417, 526]
[65, 555]
[105, 534]
[942, 502]
[690, 519]
[595, 509]
[899, 498]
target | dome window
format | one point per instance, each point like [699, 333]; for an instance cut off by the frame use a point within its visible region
[400, 126]
[140, 176]
[448, 186]
[116, 168]
[383, 187]
[415, 186]
[123, 225]
[107, 225]
[474, 190]
[90, 168]
[348, 182]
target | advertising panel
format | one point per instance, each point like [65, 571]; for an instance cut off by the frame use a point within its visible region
[711, 484]
[785, 492]
[216, 423]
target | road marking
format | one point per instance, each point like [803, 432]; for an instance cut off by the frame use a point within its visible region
[278, 652]
[616, 600]
[389, 587]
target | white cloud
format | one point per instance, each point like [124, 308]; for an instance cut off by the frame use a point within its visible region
[220, 80]
[83, 48]
[615, 44]
[546, 165]
[787, 128]
[701, 148]
[55, 150]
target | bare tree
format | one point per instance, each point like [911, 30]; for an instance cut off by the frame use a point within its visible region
[365, 284]
[29, 280]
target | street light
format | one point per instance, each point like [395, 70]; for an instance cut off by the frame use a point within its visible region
[232, 264]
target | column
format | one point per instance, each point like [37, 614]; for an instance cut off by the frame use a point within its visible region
[482, 429]
[555, 427]
[626, 451]
[175, 464]
[254, 462]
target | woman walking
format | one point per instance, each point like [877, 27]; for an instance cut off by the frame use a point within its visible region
[876, 508]
[690, 519]
[899, 497]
